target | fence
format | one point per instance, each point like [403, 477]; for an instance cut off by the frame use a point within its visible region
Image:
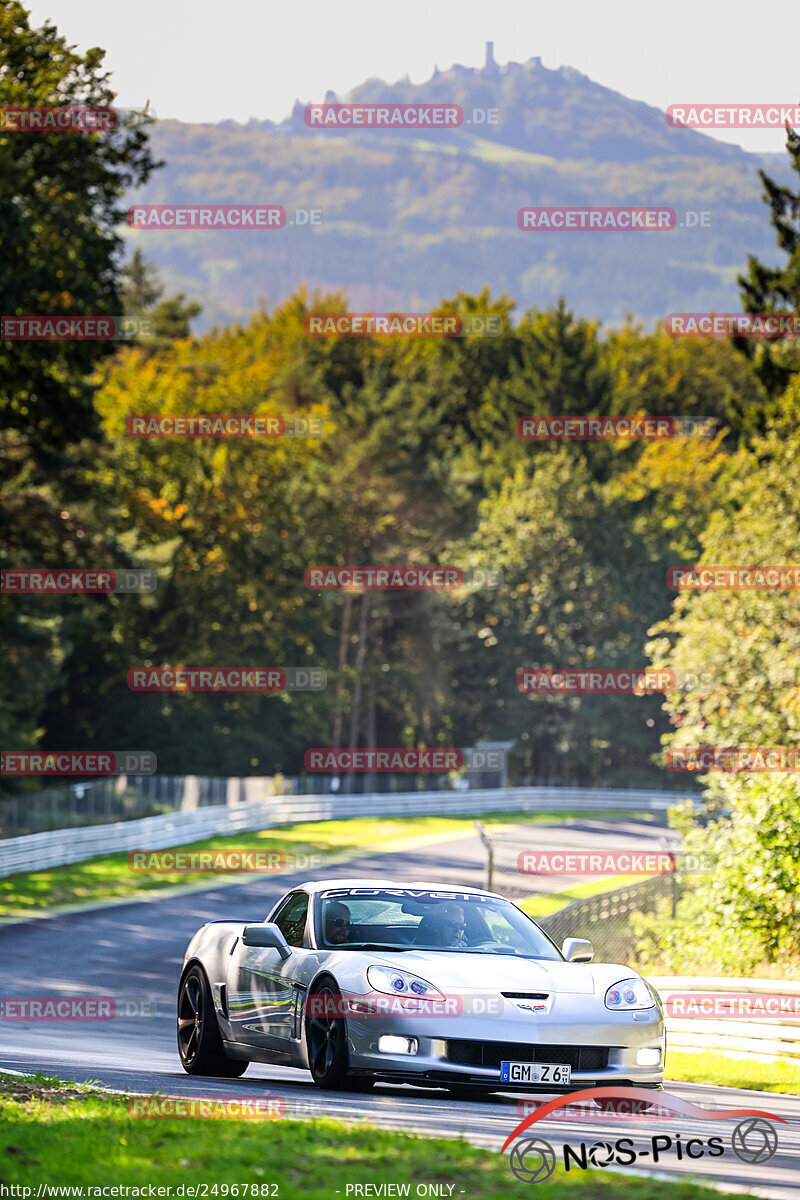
[122, 798]
[127, 797]
[254, 807]
[605, 919]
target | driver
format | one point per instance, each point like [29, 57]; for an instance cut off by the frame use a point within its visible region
[337, 923]
[453, 926]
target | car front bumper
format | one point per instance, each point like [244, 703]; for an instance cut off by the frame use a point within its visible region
[433, 1063]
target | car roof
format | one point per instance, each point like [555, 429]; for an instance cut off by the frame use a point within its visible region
[427, 885]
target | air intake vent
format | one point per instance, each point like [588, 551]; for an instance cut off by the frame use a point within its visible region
[526, 995]
[491, 1054]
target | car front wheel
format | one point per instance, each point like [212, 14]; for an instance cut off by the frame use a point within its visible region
[199, 1041]
[326, 1040]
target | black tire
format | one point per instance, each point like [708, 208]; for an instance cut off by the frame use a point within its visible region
[326, 1041]
[199, 1041]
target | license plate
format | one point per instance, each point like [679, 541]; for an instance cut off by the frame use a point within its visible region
[519, 1072]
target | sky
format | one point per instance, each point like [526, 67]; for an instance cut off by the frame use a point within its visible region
[206, 61]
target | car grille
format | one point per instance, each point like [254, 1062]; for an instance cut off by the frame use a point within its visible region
[491, 1054]
[526, 995]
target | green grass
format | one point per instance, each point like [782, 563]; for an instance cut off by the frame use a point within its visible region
[53, 1132]
[723, 1070]
[550, 902]
[109, 878]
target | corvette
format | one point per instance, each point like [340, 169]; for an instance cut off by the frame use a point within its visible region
[358, 980]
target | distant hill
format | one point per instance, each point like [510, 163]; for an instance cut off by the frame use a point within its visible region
[410, 217]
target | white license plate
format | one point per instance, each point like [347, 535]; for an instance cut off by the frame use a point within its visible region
[518, 1072]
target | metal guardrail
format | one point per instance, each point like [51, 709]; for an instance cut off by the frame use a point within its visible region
[760, 1038]
[756, 1037]
[39, 851]
[103, 801]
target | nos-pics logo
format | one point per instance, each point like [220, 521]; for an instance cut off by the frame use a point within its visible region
[533, 1159]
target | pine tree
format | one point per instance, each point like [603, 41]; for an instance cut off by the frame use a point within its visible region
[775, 289]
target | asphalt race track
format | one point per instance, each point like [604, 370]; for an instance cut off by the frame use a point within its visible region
[133, 953]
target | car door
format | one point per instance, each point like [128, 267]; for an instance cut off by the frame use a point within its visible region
[261, 995]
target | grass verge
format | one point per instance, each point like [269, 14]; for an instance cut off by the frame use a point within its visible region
[109, 877]
[550, 902]
[727, 1070]
[64, 1133]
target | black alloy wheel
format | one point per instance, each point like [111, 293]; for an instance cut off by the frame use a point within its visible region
[199, 1042]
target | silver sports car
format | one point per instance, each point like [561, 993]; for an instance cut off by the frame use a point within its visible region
[357, 980]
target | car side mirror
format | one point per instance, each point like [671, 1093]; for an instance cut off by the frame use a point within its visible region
[577, 950]
[267, 936]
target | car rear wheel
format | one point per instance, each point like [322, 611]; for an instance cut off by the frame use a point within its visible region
[199, 1041]
[326, 1039]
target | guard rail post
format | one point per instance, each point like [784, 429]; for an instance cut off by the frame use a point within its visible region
[487, 841]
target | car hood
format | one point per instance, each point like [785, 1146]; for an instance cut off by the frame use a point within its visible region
[492, 972]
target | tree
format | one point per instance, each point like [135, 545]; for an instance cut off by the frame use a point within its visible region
[766, 289]
[142, 295]
[143, 289]
[563, 553]
[745, 644]
[682, 377]
[60, 197]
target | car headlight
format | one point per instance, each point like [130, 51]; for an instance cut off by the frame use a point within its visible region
[630, 993]
[400, 983]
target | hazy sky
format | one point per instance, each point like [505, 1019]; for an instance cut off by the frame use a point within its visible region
[207, 60]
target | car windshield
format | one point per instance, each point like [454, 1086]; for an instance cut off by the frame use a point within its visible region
[415, 919]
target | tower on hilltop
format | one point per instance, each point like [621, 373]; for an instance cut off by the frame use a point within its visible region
[490, 65]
